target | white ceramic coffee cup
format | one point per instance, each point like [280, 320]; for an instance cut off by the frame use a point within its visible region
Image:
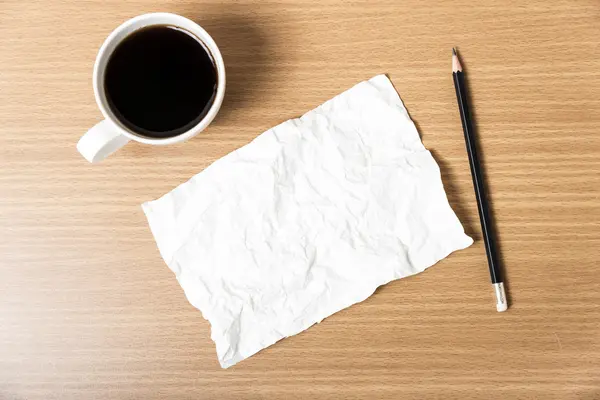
[109, 135]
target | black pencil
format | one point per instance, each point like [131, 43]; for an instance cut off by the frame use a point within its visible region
[478, 184]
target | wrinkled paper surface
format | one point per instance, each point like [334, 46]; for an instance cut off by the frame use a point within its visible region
[309, 218]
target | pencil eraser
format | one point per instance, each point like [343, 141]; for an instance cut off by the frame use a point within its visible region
[501, 302]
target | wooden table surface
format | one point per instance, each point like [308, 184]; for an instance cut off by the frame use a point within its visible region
[88, 309]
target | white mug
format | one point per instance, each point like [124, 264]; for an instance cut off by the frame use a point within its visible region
[109, 135]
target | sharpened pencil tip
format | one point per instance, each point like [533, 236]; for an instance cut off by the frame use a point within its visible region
[456, 67]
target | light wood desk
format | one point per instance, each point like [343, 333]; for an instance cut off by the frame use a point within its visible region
[88, 310]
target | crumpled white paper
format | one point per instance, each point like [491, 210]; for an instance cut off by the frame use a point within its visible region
[309, 218]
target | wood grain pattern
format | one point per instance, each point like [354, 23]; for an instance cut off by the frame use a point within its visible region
[88, 310]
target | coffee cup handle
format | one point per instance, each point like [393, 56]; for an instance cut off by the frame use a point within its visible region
[100, 142]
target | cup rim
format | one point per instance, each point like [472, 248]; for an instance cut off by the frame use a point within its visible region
[142, 21]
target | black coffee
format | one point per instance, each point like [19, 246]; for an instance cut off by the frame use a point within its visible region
[160, 81]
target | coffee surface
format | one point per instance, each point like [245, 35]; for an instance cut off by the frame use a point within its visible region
[160, 81]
